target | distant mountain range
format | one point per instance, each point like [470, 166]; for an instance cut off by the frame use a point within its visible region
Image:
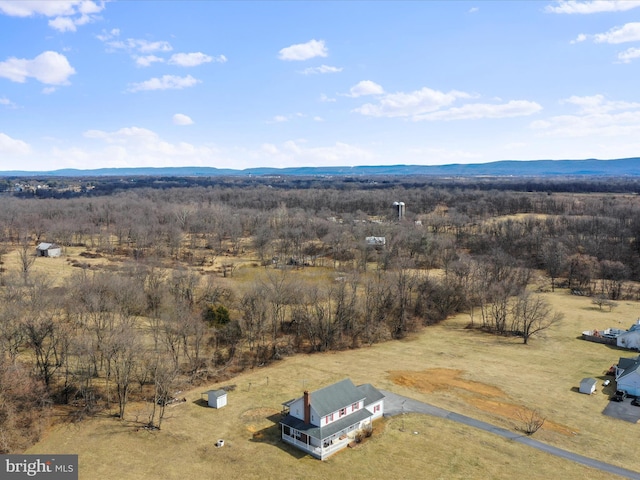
[625, 167]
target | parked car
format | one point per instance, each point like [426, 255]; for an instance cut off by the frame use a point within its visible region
[606, 383]
[618, 396]
[635, 402]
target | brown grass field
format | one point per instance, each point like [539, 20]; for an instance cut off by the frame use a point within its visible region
[482, 376]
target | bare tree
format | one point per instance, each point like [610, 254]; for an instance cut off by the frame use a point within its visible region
[530, 421]
[26, 258]
[532, 314]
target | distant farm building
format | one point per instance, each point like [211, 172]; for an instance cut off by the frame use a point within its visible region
[376, 241]
[48, 250]
[399, 207]
[588, 385]
[216, 398]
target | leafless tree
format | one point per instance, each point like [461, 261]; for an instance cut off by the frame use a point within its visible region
[530, 421]
[532, 315]
[26, 258]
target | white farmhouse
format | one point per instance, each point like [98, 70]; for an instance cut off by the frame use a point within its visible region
[327, 420]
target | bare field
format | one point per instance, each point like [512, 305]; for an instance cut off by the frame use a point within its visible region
[482, 376]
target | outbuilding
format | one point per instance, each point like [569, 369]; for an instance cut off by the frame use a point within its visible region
[588, 385]
[48, 250]
[217, 398]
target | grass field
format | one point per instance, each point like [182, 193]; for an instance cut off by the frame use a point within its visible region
[482, 376]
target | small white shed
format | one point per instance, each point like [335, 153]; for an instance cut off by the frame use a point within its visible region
[217, 398]
[588, 385]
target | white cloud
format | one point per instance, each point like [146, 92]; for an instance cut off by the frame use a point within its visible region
[279, 119]
[182, 119]
[318, 119]
[473, 10]
[410, 104]
[594, 6]
[474, 111]
[7, 103]
[148, 60]
[50, 68]
[321, 69]
[135, 146]
[11, 146]
[365, 87]
[629, 32]
[326, 99]
[295, 152]
[596, 117]
[166, 82]
[628, 55]
[304, 51]
[68, 13]
[105, 36]
[442, 156]
[194, 59]
[138, 45]
[580, 38]
[48, 90]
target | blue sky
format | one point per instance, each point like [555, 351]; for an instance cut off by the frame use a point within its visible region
[91, 84]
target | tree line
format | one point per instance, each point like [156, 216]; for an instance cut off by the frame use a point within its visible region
[206, 281]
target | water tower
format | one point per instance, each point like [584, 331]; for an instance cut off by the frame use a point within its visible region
[398, 208]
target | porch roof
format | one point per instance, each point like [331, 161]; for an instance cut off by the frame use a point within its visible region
[327, 431]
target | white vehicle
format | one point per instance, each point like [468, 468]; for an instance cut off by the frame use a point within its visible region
[606, 383]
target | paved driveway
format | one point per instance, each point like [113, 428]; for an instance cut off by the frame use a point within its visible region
[397, 404]
[623, 411]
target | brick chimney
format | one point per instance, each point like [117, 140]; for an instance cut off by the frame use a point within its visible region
[307, 407]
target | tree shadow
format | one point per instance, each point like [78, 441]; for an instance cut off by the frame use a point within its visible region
[272, 435]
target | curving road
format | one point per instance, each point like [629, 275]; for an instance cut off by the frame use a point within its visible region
[395, 404]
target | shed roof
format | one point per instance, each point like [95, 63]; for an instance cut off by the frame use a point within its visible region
[588, 382]
[217, 393]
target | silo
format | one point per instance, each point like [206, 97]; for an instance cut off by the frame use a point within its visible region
[399, 209]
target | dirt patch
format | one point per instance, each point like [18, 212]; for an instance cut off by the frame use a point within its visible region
[257, 419]
[484, 397]
[438, 379]
[516, 413]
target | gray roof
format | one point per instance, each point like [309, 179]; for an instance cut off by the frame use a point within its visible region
[328, 430]
[217, 393]
[334, 397]
[371, 393]
[588, 382]
[628, 365]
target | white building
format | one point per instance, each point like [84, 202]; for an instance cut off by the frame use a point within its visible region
[48, 250]
[217, 398]
[327, 420]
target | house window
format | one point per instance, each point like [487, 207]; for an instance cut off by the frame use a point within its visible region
[376, 408]
[343, 411]
[354, 407]
[328, 418]
[287, 430]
